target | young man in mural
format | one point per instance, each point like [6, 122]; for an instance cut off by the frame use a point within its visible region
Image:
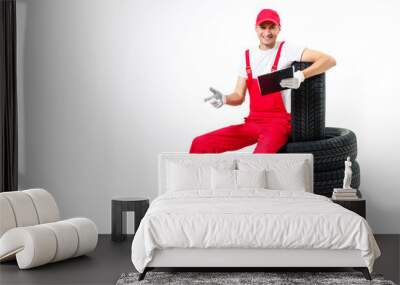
[268, 122]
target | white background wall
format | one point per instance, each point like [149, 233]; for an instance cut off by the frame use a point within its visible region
[104, 86]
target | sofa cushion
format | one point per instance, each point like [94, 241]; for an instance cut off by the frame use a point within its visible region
[45, 205]
[7, 220]
[23, 208]
[40, 244]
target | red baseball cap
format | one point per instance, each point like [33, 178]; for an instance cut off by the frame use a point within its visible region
[268, 15]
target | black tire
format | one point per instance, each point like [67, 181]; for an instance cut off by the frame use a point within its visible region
[329, 153]
[308, 107]
[324, 182]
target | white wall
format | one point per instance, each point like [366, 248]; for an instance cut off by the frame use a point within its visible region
[104, 86]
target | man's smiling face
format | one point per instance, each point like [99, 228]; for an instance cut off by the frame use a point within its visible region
[267, 33]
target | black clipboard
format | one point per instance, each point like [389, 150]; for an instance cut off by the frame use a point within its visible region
[270, 82]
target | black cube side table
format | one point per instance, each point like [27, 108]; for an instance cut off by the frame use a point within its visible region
[119, 207]
[357, 206]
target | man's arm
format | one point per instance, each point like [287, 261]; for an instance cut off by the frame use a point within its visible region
[238, 95]
[321, 62]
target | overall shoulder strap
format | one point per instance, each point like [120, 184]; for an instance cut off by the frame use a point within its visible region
[278, 55]
[248, 67]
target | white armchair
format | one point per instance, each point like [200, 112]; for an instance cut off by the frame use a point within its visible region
[31, 230]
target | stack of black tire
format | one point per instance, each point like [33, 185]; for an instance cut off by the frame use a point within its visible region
[330, 146]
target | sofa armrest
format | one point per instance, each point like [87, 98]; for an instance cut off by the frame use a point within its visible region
[32, 246]
[40, 244]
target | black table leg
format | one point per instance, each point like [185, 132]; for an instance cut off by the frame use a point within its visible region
[140, 211]
[118, 222]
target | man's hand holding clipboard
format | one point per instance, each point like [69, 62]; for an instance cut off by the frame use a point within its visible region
[280, 80]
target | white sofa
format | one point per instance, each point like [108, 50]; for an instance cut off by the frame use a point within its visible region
[32, 233]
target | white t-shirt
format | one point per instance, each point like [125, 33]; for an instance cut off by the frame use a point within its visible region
[261, 62]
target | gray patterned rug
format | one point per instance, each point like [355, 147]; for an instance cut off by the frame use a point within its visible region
[231, 278]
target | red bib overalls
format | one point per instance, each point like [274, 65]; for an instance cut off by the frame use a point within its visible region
[268, 123]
